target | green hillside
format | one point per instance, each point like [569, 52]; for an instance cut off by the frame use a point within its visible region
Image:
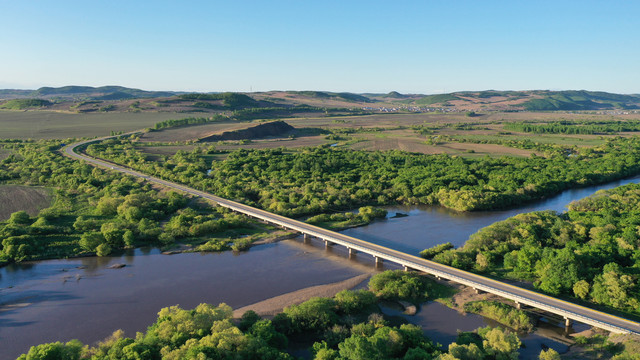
[581, 100]
[436, 99]
[21, 104]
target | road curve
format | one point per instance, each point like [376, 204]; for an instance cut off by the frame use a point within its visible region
[523, 296]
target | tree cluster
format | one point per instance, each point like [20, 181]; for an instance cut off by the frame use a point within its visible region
[591, 252]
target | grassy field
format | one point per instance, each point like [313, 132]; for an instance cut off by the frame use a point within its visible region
[30, 199]
[57, 125]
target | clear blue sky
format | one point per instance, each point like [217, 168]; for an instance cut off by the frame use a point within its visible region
[358, 46]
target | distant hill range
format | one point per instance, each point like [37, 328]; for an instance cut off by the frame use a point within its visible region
[86, 93]
[119, 98]
[533, 100]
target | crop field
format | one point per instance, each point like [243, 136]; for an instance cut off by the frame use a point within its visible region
[57, 125]
[453, 134]
[27, 198]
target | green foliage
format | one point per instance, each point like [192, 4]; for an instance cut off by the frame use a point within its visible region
[230, 100]
[590, 252]
[354, 301]
[436, 99]
[21, 104]
[318, 180]
[248, 319]
[576, 127]
[579, 100]
[400, 284]
[103, 249]
[315, 314]
[207, 332]
[96, 211]
[20, 218]
[337, 221]
[499, 343]
[502, 313]
[433, 251]
[188, 121]
[54, 351]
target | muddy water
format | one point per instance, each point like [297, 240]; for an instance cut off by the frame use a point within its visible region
[58, 300]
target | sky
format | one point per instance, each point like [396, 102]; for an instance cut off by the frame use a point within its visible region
[358, 46]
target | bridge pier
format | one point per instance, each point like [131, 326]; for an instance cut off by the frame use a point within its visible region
[378, 261]
[352, 252]
[306, 238]
[327, 244]
[518, 306]
[567, 322]
[478, 291]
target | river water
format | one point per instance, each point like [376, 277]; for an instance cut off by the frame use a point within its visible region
[59, 300]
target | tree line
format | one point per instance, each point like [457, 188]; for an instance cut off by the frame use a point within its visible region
[583, 128]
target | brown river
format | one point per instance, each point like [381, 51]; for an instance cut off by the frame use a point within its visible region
[59, 300]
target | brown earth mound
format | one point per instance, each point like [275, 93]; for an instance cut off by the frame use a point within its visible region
[274, 128]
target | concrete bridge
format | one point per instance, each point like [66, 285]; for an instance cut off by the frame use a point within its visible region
[569, 311]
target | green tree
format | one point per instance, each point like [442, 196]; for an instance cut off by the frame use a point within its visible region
[54, 351]
[581, 289]
[91, 240]
[103, 249]
[20, 218]
[549, 354]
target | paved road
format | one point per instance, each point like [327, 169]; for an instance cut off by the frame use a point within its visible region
[523, 296]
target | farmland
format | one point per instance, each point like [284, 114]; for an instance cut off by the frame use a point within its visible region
[23, 198]
[59, 125]
[453, 134]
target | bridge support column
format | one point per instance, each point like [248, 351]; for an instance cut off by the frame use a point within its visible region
[567, 322]
[352, 252]
[518, 306]
[378, 261]
[405, 268]
[306, 238]
[478, 291]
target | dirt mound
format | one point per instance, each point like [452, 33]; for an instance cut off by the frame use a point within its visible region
[274, 128]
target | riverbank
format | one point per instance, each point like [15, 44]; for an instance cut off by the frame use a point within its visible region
[275, 305]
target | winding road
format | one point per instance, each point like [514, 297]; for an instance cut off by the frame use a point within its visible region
[569, 311]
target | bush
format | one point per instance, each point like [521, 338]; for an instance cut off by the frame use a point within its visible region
[400, 284]
[315, 314]
[502, 313]
[354, 301]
